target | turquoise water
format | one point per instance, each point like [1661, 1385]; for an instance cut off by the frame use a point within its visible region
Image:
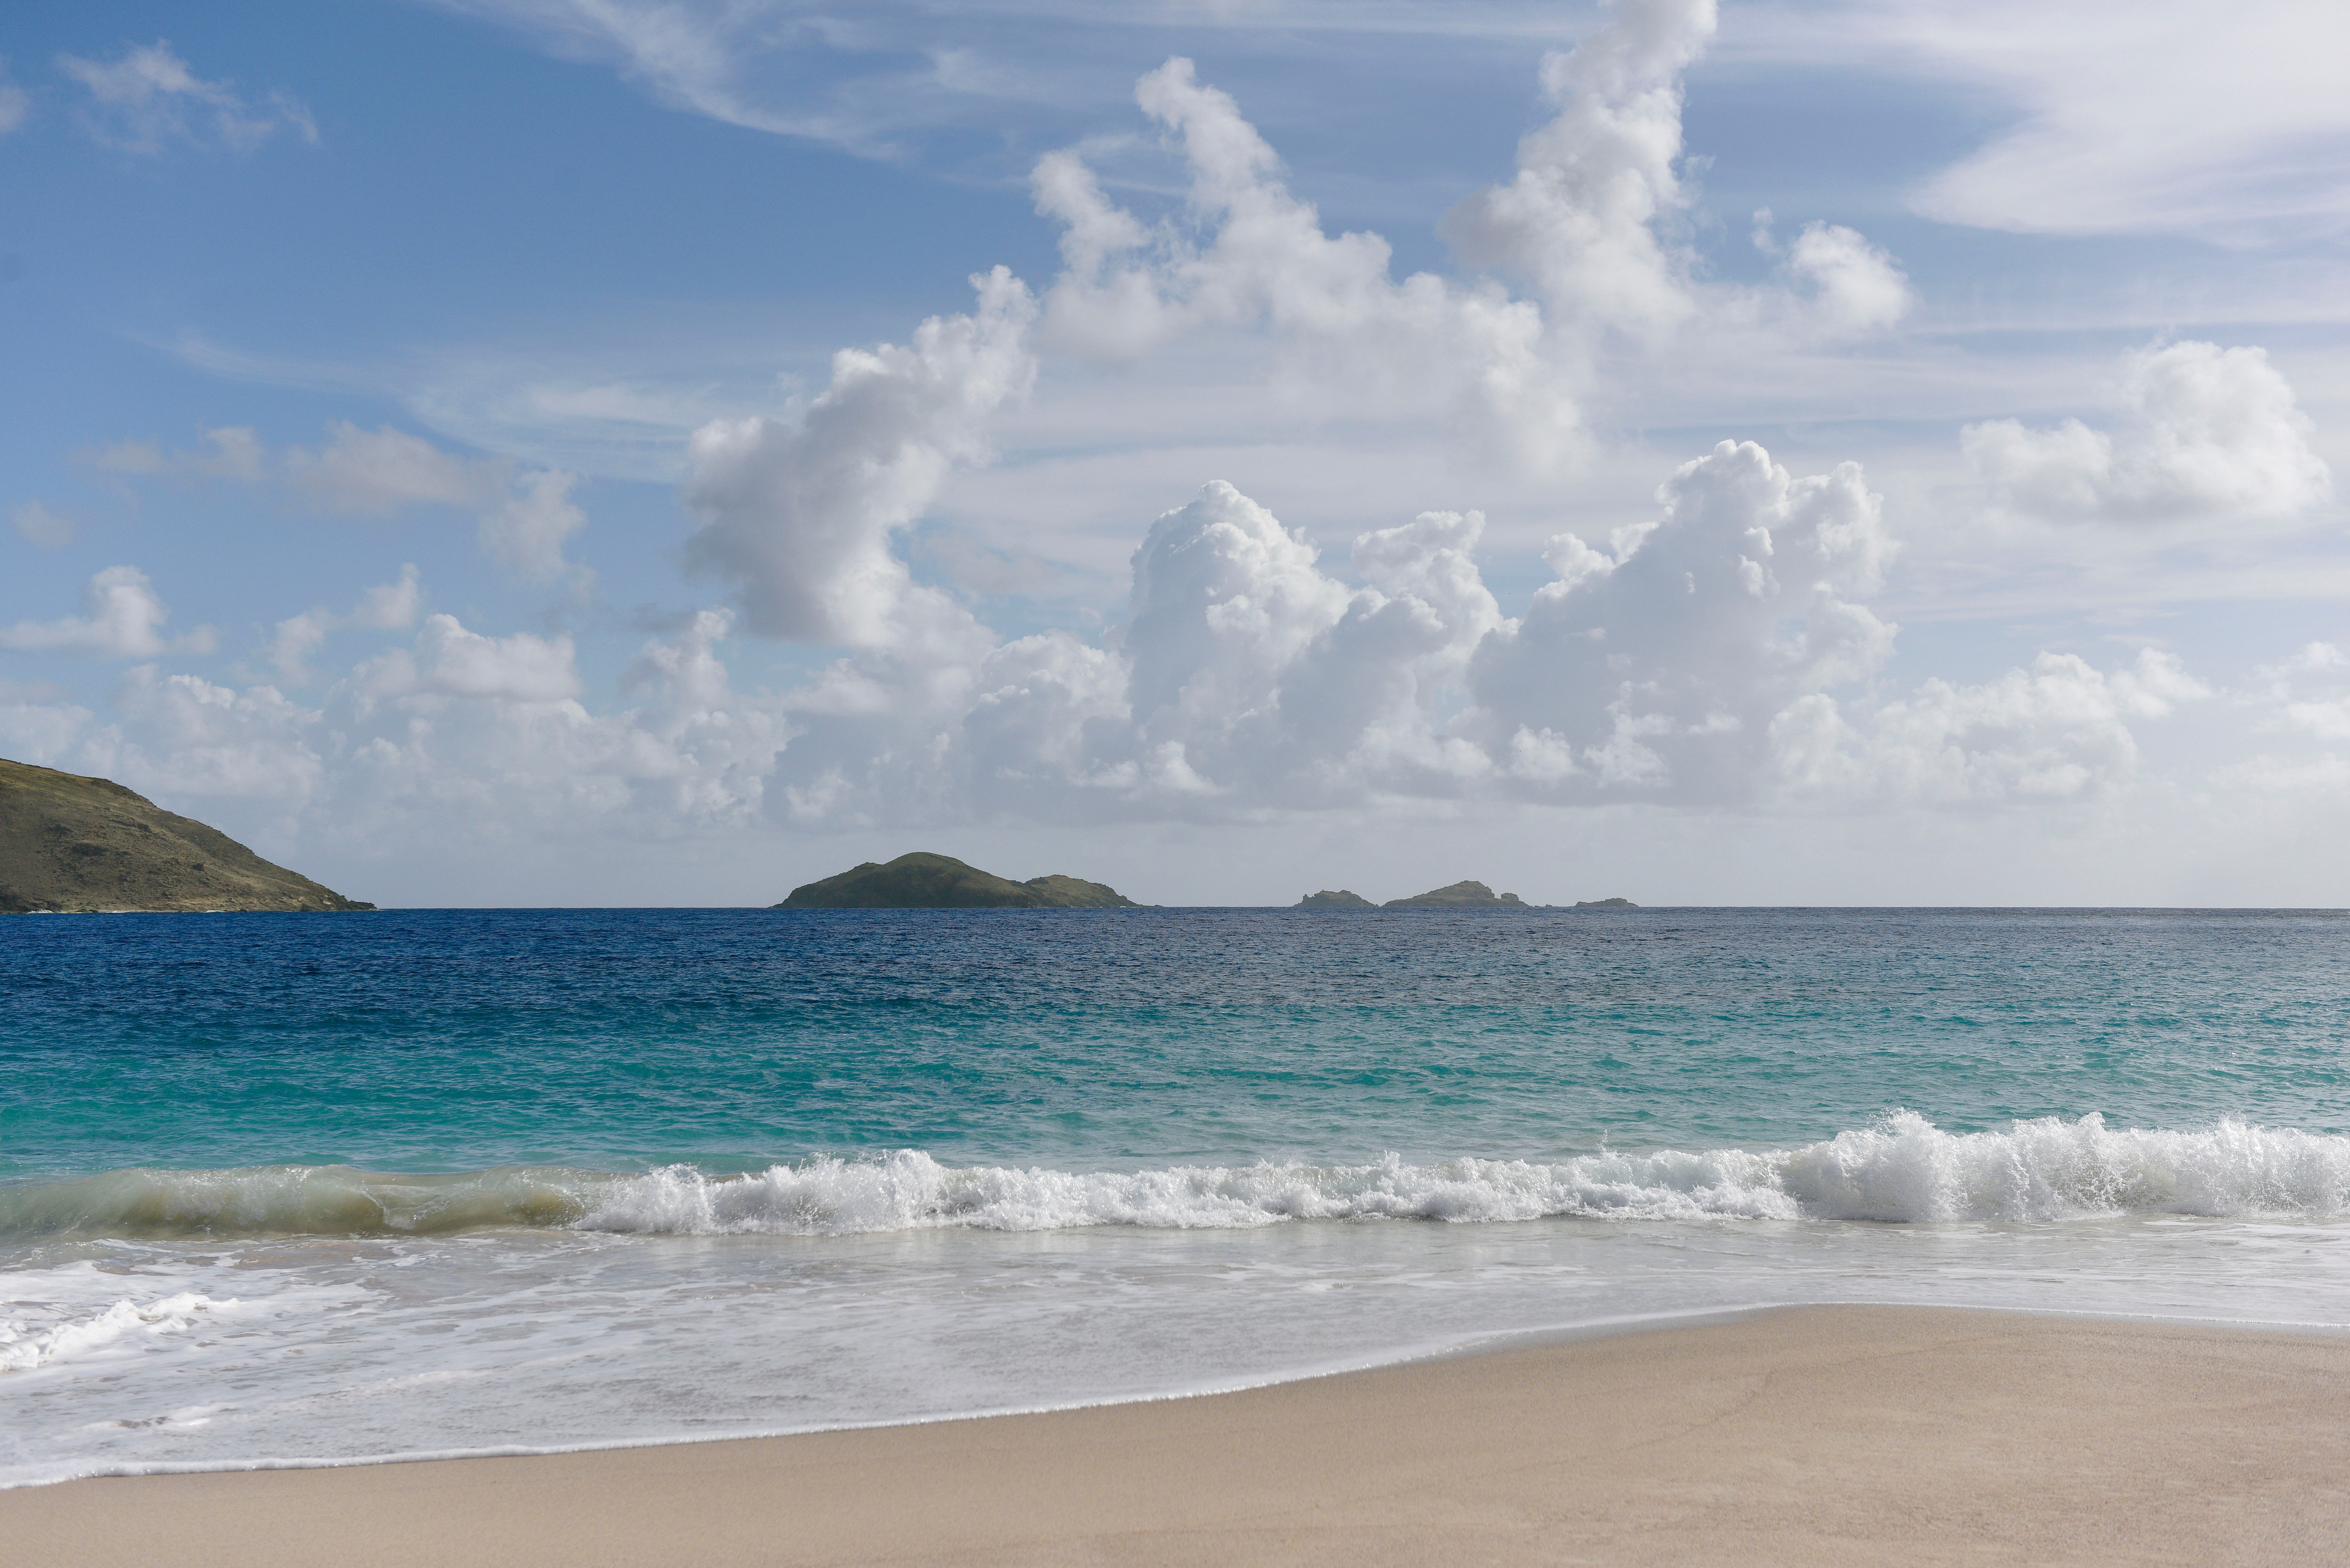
[623, 1040]
[280, 1187]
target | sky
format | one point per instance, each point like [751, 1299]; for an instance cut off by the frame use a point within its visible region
[522, 453]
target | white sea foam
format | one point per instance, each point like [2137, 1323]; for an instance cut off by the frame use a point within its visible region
[23, 1347]
[1903, 1168]
[177, 1353]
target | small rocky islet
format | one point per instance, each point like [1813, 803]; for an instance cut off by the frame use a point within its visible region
[1467, 895]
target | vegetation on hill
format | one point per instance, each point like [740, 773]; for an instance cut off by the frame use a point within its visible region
[82, 845]
[1327, 899]
[1060, 892]
[925, 881]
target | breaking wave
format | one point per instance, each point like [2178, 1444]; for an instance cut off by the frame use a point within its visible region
[1902, 1170]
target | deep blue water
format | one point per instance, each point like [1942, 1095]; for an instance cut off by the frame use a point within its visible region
[440, 1040]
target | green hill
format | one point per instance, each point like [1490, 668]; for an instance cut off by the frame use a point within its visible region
[1326, 899]
[924, 881]
[1459, 896]
[74, 844]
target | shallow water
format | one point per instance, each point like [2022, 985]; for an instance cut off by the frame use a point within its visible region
[287, 1187]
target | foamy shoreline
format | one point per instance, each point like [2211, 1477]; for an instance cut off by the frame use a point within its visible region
[1809, 1434]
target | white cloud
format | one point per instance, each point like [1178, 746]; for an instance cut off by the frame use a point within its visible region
[372, 472]
[2231, 128]
[120, 619]
[1661, 662]
[1584, 226]
[2327, 778]
[1716, 650]
[1242, 300]
[1858, 286]
[296, 640]
[390, 607]
[526, 531]
[253, 745]
[2058, 732]
[526, 515]
[800, 514]
[2213, 434]
[1357, 341]
[449, 661]
[235, 452]
[150, 98]
[1579, 220]
[42, 528]
[1267, 679]
[694, 57]
[1246, 677]
[2309, 692]
[1224, 600]
[386, 607]
[460, 746]
[16, 105]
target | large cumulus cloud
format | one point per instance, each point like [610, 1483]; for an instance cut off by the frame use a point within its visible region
[1717, 649]
[800, 513]
[2209, 433]
[1660, 663]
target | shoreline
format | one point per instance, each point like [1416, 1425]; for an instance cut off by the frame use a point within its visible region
[1492, 1343]
[1812, 1434]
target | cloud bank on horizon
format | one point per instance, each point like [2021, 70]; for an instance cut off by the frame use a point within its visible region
[929, 532]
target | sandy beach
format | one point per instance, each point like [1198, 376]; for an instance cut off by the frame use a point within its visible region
[1813, 1434]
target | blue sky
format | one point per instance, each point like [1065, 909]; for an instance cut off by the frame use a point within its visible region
[426, 458]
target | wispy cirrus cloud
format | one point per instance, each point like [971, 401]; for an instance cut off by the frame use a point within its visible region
[2173, 122]
[875, 79]
[150, 98]
[2171, 119]
[524, 515]
[16, 104]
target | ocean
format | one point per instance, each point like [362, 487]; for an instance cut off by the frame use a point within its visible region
[303, 1190]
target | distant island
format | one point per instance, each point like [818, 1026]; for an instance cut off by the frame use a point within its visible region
[83, 846]
[925, 881]
[1459, 896]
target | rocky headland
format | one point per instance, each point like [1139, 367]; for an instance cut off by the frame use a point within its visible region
[75, 844]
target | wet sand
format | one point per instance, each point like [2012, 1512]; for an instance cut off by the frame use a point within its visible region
[1816, 1435]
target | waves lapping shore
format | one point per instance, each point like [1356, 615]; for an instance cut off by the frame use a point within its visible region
[1902, 1170]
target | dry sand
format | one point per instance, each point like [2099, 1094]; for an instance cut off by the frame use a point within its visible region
[1823, 1435]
